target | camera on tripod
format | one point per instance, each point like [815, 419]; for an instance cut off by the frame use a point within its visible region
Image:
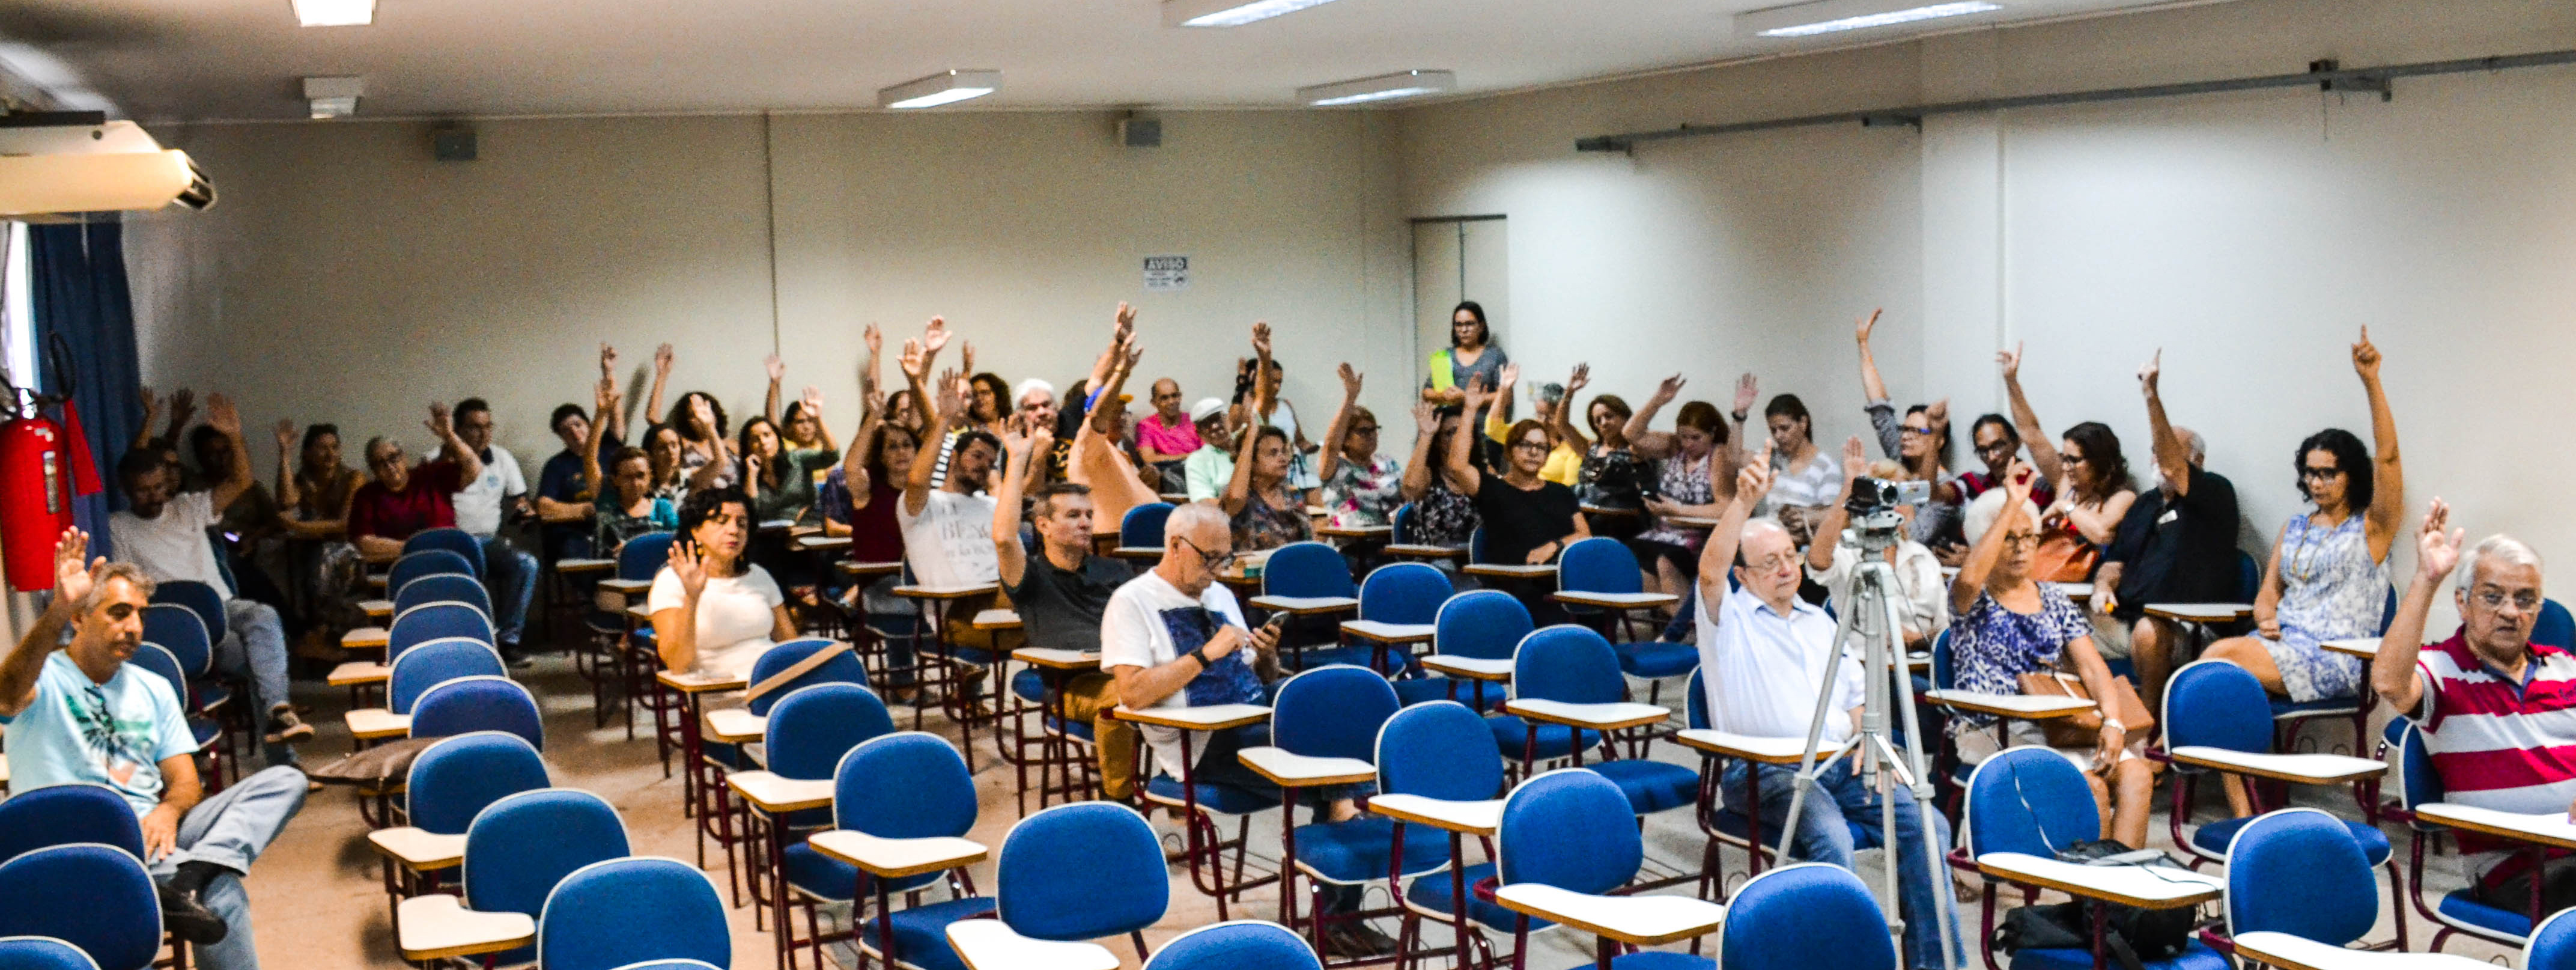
[1873, 508]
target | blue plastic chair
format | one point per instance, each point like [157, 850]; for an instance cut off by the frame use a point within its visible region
[431, 562]
[1402, 592]
[608, 915]
[2553, 945]
[2555, 626]
[449, 539]
[1569, 830]
[1142, 526]
[1338, 711]
[469, 704]
[843, 669]
[2217, 704]
[1244, 944]
[522, 845]
[1442, 750]
[436, 621]
[909, 785]
[2460, 911]
[98, 898]
[2031, 800]
[64, 815]
[1575, 665]
[1306, 569]
[1082, 871]
[1484, 624]
[2298, 871]
[200, 599]
[154, 658]
[1604, 565]
[181, 631]
[438, 587]
[436, 662]
[42, 953]
[454, 779]
[811, 728]
[1804, 916]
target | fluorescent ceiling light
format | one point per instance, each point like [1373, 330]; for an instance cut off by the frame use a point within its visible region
[1229, 13]
[945, 87]
[335, 13]
[1829, 16]
[333, 97]
[1401, 84]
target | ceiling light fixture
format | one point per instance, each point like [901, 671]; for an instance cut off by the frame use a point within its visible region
[945, 87]
[1229, 13]
[1401, 84]
[1829, 16]
[333, 97]
[335, 13]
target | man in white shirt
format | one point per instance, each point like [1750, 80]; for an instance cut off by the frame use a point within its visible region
[948, 527]
[164, 531]
[1766, 655]
[500, 493]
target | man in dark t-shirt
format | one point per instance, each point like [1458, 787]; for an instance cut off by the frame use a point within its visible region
[1061, 593]
[2176, 545]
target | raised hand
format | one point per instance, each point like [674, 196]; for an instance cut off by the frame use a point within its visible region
[914, 361]
[1938, 412]
[2365, 357]
[2018, 482]
[1746, 390]
[71, 571]
[1861, 332]
[876, 401]
[151, 404]
[1261, 339]
[702, 413]
[1580, 379]
[2010, 361]
[813, 401]
[1426, 419]
[935, 336]
[607, 360]
[1135, 352]
[183, 405]
[439, 425]
[1753, 483]
[1350, 382]
[2438, 552]
[1670, 388]
[2147, 375]
[603, 400]
[690, 570]
[777, 368]
[874, 338]
[286, 439]
[952, 397]
[1477, 394]
[662, 358]
[966, 357]
[221, 416]
[1510, 375]
[1123, 324]
[1855, 461]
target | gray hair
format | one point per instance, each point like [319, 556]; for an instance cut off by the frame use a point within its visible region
[1988, 509]
[2195, 444]
[370, 452]
[1034, 384]
[98, 577]
[1190, 516]
[2499, 547]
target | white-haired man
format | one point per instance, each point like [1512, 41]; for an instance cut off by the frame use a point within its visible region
[1767, 654]
[2176, 545]
[2493, 706]
[76, 713]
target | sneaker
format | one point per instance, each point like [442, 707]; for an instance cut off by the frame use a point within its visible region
[516, 657]
[190, 920]
[1379, 944]
[285, 727]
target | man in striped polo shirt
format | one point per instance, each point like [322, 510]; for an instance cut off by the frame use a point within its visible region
[2498, 711]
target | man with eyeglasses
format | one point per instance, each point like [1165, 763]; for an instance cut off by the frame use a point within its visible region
[1765, 654]
[76, 713]
[2494, 707]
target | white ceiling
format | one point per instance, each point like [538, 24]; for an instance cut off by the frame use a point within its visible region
[165, 60]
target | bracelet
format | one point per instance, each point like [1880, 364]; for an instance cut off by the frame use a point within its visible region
[1740, 416]
[2115, 724]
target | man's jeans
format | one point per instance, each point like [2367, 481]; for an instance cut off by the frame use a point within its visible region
[229, 829]
[1824, 836]
[510, 575]
[254, 648]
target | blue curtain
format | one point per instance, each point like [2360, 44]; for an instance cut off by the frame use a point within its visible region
[78, 272]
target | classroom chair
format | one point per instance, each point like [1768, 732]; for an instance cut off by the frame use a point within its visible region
[1806, 916]
[1475, 634]
[42, 953]
[485, 703]
[638, 909]
[67, 814]
[95, 897]
[1243, 944]
[1327, 720]
[448, 539]
[1567, 850]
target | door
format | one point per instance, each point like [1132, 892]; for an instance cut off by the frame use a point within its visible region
[1457, 258]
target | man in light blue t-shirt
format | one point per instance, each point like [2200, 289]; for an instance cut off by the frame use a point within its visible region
[76, 713]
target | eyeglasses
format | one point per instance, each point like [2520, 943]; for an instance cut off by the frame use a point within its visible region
[2027, 541]
[2523, 602]
[1529, 445]
[2071, 459]
[1773, 563]
[1916, 432]
[2312, 473]
[1215, 562]
[1997, 448]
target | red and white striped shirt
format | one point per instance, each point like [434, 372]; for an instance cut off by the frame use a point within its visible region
[2497, 744]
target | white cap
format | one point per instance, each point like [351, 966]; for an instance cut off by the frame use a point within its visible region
[1207, 407]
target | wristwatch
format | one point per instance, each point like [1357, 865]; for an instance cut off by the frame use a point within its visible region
[1200, 654]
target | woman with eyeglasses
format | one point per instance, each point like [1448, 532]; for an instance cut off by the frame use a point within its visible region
[2009, 623]
[1442, 515]
[2083, 518]
[1610, 486]
[1527, 519]
[1920, 444]
[1266, 512]
[1362, 486]
[2328, 578]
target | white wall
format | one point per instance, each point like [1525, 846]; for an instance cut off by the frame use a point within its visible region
[2248, 235]
[345, 276]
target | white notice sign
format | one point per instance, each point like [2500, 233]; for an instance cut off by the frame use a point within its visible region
[1164, 273]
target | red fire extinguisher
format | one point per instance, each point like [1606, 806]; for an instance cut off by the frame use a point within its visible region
[43, 465]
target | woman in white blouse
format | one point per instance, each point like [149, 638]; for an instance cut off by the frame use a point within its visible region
[713, 610]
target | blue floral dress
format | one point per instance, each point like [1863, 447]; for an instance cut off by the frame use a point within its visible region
[2331, 589]
[1991, 646]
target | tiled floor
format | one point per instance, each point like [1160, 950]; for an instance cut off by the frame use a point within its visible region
[317, 901]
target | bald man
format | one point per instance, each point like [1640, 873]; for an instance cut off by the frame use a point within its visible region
[2176, 545]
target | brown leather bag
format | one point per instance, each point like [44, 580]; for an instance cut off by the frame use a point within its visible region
[2064, 557]
[2084, 729]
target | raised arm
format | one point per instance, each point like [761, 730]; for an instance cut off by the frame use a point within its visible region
[1019, 442]
[289, 495]
[221, 416]
[1459, 464]
[1829, 529]
[948, 414]
[2392, 670]
[1495, 427]
[1340, 429]
[151, 416]
[1873, 390]
[675, 630]
[26, 663]
[1871, 387]
[605, 399]
[777, 370]
[1563, 417]
[1652, 444]
[469, 466]
[1124, 351]
[1990, 546]
[2387, 512]
[183, 409]
[1265, 389]
[662, 360]
[1717, 555]
[1417, 468]
[610, 422]
[2173, 457]
[1238, 490]
[2043, 450]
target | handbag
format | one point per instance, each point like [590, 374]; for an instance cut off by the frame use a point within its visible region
[2064, 557]
[2080, 729]
[377, 767]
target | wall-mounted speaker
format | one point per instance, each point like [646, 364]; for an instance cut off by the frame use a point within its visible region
[451, 143]
[1136, 131]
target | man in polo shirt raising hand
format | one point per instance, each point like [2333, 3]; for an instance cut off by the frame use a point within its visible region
[2490, 702]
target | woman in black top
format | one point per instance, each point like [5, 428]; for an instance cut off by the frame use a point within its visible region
[1527, 519]
[1612, 479]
